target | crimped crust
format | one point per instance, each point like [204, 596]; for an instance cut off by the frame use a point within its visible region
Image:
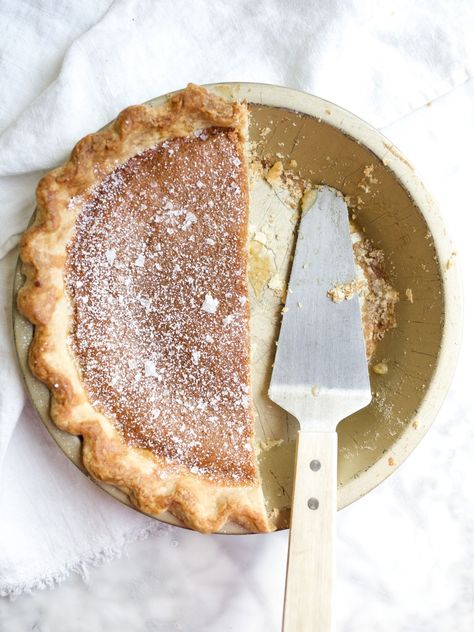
[200, 503]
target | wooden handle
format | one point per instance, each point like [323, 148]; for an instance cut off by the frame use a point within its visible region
[308, 595]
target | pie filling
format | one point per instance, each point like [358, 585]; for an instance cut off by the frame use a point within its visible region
[156, 274]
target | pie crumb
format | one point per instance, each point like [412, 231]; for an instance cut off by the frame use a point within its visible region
[308, 199]
[450, 261]
[274, 174]
[271, 443]
[345, 291]
[381, 368]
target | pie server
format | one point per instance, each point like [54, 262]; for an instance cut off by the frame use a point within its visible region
[320, 376]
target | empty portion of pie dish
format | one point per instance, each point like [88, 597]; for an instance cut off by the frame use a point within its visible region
[156, 294]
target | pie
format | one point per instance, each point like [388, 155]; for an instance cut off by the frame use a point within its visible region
[136, 285]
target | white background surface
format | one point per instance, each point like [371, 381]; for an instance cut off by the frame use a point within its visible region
[406, 551]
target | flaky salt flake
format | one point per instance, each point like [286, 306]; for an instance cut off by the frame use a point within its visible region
[194, 469]
[209, 338]
[199, 184]
[210, 241]
[110, 256]
[210, 304]
[235, 187]
[196, 356]
[228, 319]
[242, 300]
[189, 220]
[140, 261]
[150, 369]
[245, 401]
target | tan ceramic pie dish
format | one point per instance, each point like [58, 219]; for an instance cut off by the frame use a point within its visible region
[332, 146]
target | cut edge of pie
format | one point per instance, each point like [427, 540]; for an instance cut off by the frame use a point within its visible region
[202, 504]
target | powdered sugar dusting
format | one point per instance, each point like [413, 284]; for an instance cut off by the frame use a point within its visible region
[110, 255]
[160, 324]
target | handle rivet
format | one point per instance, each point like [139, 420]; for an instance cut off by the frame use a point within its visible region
[313, 503]
[315, 465]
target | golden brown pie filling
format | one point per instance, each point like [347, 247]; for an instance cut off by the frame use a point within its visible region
[156, 273]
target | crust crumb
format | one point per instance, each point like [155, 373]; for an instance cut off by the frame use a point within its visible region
[369, 174]
[450, 261]
[381, 368]
[271, 443]
[345, 291]
[308, 199]
[380, 299]
[274, 174]
[261, 266]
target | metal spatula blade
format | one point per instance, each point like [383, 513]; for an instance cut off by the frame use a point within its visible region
[320, 376]
[320, 372]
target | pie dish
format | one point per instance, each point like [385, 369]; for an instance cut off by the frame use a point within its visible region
[136, 285]
[325, 144]
[141, 275]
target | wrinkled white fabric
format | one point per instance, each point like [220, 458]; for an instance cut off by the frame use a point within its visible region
[67, 68]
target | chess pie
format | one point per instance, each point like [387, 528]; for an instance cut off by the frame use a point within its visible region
[136, 286]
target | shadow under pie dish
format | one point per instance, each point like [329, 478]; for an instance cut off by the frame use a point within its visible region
[152, 241]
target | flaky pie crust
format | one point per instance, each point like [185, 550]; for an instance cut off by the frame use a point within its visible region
[199, 503]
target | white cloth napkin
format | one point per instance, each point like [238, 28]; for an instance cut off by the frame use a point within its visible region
[67, 68]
